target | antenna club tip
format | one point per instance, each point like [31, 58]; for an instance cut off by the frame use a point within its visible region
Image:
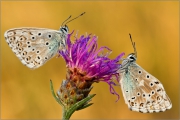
[83, 13]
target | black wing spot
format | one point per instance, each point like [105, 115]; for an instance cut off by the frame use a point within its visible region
[33, 38]
[156, 82]
[127, 91]
[29, 46]
[47, 43]
[38, 57]
[140, 71]
[151, 84]
[49, 36]
[37, 51]
[46, 58]
[147, 76]
[39, 34]
[49, 47]
[138, 94]
[133, 98]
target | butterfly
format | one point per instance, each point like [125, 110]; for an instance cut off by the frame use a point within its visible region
[142, 92]
[35, 46]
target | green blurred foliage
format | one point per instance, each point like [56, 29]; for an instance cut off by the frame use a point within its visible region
[154, 27]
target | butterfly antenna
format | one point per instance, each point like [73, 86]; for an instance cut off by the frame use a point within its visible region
[133, 44]
[75, 18]
[66, 20]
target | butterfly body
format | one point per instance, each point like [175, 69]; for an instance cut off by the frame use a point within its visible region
[142, 92]
[35, 46]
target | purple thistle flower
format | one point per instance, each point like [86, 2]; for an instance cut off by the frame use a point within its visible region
[86, 65]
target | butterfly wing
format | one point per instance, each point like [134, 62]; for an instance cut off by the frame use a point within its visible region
[142, 91]
[34, 46]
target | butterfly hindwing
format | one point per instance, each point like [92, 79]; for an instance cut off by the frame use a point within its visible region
[142, 91]
[34, 46]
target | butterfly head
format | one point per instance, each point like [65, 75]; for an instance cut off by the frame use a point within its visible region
[131, 57]
[64, 29]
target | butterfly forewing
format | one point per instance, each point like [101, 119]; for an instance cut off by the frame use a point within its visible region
[35, 46]
[142, 91]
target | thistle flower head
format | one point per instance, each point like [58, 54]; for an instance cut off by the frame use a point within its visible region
[86, 64]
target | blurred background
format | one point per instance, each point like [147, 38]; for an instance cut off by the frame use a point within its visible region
[154, 26]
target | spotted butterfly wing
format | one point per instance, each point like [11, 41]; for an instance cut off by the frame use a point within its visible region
[35, 46]
[142, 91]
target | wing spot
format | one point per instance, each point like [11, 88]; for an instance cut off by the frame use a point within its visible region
[158, 98]
[39, 57]
[127, 91]
[152, 92]
[147, 76]
[29, 46]
[47, 43]
[37, 51]
[144, 95]
[133, 98]
[24, 53]
[28, 58]
[132, 103]
[156, 82]
[46, 58]
[159, 90]
[28, 42]
[49, 47]
[140, 72]
[39, 34]
[151, 84]
[21, 38]
[33, 38]
[33, 49]
[141, 105]
[49, 36]
[138, 94]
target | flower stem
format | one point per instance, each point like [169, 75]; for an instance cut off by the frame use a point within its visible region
[68, 111]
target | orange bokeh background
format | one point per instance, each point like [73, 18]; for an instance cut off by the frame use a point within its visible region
[154, 26]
